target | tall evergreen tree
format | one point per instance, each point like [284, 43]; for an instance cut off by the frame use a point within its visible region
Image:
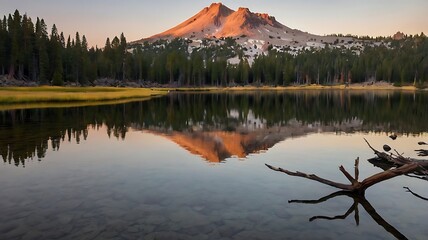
[4, 40]
[41, 45]
[56, 56]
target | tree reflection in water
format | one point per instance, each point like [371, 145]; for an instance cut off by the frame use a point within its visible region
[28, 133]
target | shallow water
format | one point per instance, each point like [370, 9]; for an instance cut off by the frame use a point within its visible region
[191, 166]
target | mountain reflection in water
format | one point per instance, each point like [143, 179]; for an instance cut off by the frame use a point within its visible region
[216, 126]
[216, 146]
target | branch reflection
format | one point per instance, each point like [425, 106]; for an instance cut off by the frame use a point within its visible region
[358, 199]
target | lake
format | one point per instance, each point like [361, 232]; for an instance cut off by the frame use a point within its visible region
[192, 166]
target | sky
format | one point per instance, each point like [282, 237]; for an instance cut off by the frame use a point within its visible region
[99, 19]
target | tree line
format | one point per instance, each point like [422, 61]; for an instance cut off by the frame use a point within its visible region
[28, 52]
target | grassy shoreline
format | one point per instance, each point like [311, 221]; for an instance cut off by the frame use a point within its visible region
[14, 95]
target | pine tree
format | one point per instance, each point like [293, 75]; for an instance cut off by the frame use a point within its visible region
[62, 40]
[107, 62]
[85, 63]
[56, 56]
[14, 27]
[122, 52]
[41, 45]
[67, 61]
[4, 56]
[171, 65]
[77, 59]
[29, 39]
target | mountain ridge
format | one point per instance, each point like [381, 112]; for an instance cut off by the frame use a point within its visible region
[219, 21]
[212, 15]
[255, 32]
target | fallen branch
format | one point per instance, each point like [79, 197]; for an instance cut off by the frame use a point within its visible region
[398, 159]
[388, 174]
[393, 165]
[312, 177]
[388, 161]
[355, 185]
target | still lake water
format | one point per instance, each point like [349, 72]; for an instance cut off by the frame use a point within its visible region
[191, 166]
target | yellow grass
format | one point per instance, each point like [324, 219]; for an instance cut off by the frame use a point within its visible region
[72, 94]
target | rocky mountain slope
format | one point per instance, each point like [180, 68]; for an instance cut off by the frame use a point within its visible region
[251, 30]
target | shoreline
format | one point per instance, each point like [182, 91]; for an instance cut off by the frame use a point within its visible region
[48, 96]
[354, 87]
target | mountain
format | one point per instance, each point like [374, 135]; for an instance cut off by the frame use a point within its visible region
[247, 28]
[220, 21]
[204, 23]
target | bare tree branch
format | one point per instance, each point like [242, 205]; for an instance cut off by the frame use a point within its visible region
[313, 177]
[358, 186]
[399, 160]
[388, 174]
[348, 176]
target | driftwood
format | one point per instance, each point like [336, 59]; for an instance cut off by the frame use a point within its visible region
[388, 161]
[355, 185]
[356, 191]
[393, 165]
[397, 159]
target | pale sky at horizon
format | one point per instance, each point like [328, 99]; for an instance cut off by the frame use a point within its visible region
[99, 19]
